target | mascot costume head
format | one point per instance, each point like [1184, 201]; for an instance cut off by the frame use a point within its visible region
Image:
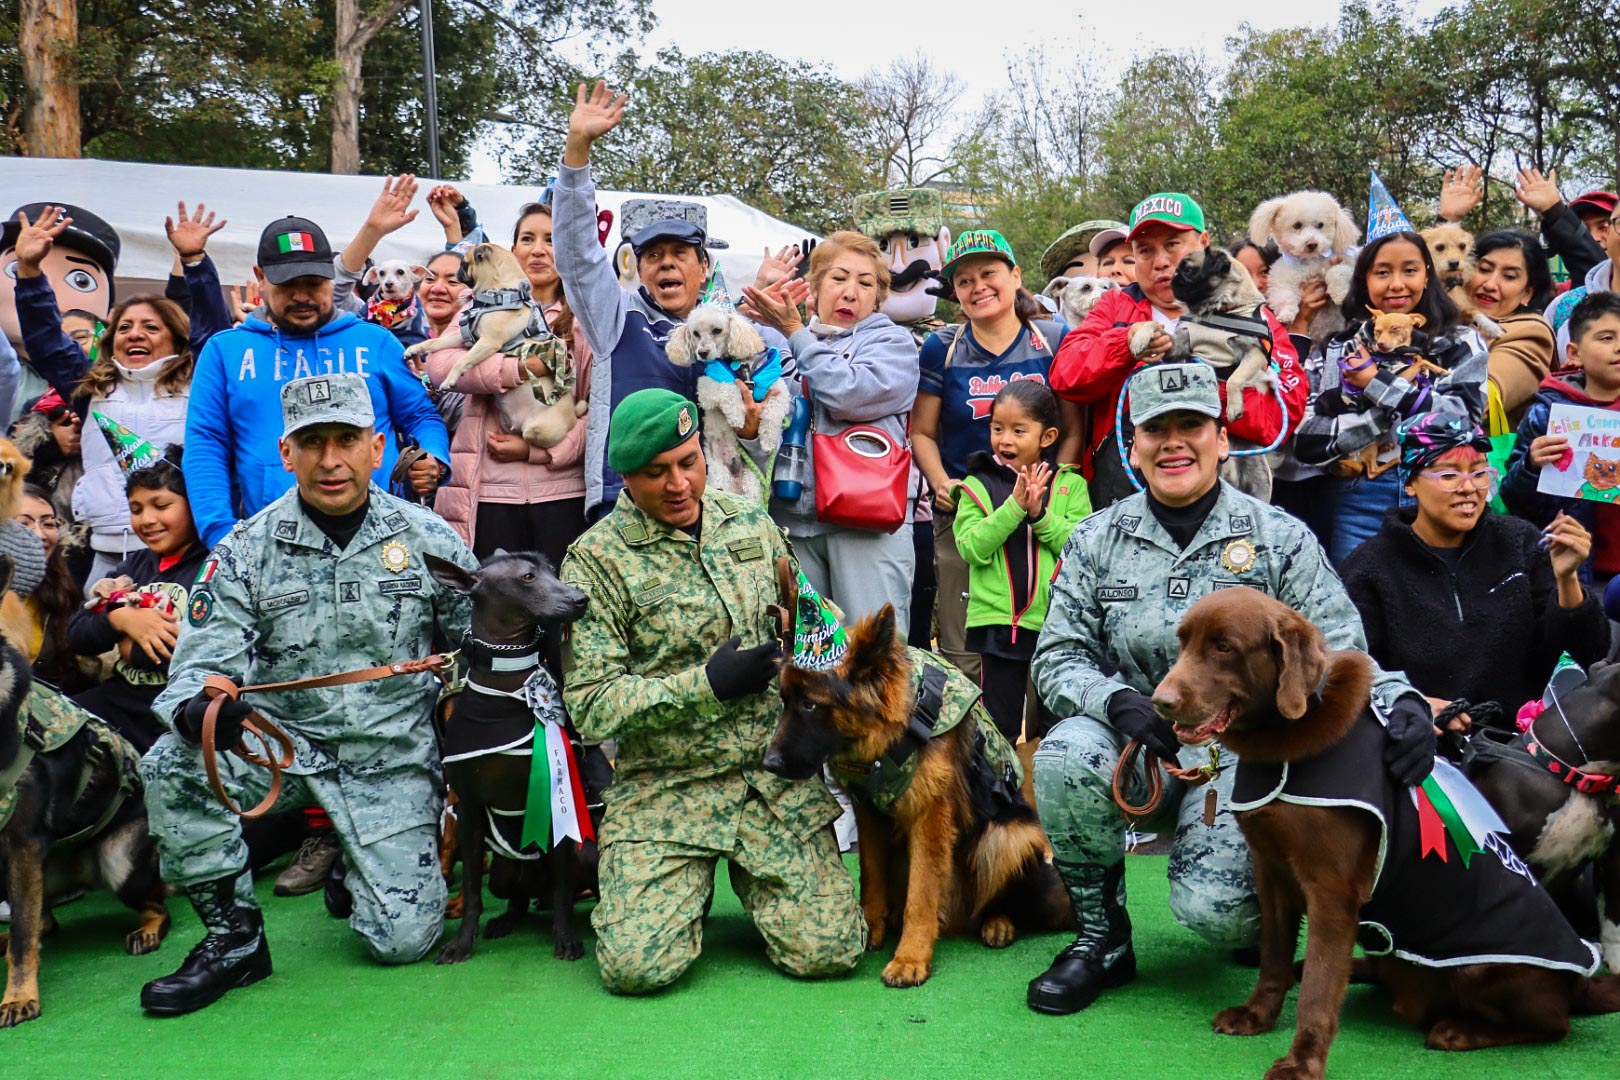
[909, 225]
[79, 267]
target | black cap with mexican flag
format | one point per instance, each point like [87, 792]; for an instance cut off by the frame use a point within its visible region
[294, 247]
[819, 642]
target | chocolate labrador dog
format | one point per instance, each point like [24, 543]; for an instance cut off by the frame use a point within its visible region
[1336, 842]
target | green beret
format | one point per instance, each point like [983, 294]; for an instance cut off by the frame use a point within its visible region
[647, 423]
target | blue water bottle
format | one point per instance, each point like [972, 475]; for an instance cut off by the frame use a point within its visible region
[793, 456]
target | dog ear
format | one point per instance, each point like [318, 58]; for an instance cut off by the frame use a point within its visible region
[371, 278]
[1373, 311]
[418, 273]
[872, 646]
[1263, 218]
[1345, 231]
[742, 340]
[679, 346]
[1301, 661]
[1417, 320]
[451, 576]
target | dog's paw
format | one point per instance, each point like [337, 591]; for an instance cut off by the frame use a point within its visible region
[568, 948]
[1337, 280]
[1456, 1035]
[13, 1013]
[1293, 1069]
[453, 906]
[1234, 403]
[1139, 337]
[998, 932]
[1243, 1020]
[901, 973]
[141, 942]
[450, 380]
[502, 925]
[457, 951]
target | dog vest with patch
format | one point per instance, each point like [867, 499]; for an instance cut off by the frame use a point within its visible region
[1432, 903]
[47, 721]
[535, 339]
[944, 698]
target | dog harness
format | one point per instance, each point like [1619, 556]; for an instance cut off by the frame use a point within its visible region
[535, 339]
[48, 721]
[1447, 888]
[943, 700]
[517, 723]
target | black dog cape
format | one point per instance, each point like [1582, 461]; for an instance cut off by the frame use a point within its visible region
[1448, 890]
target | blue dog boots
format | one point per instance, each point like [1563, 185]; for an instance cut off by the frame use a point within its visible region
[233, 953]
[1101, 957]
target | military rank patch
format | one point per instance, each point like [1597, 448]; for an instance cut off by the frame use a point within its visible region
[746, 550]
[1239, 556]
[1178, 588]
[201, 607]
[348, 592]
[395, 556]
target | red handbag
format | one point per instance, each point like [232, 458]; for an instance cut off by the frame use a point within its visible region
[862, 476]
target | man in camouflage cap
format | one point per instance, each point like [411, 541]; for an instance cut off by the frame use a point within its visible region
[909, 225]
[1127, 576]
[328, 578]
[676, 658]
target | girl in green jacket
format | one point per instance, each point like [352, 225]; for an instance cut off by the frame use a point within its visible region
[1010, 530]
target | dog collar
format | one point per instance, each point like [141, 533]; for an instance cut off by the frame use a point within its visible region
[1584, 782]
[523, 656]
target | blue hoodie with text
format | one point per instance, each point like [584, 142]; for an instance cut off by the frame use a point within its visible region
[233, 430]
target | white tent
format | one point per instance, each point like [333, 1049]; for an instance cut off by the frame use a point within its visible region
[135, 198]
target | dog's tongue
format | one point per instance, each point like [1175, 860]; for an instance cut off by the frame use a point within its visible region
[1210, 728]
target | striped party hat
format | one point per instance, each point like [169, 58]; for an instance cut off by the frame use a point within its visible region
[130, 450]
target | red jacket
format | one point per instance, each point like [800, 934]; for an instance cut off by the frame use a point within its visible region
[1094, 361]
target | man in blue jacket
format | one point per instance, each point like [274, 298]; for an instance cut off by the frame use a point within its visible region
[233, 464]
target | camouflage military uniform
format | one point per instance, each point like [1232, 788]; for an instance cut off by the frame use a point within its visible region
[1121, 590]
[278, 601]
[688, 787]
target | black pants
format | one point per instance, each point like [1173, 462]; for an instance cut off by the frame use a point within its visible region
[1004, 683]
[924, 584]
[548, 528]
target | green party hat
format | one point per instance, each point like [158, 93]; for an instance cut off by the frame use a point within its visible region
[819, 641]
[715, 292]
[130, 450]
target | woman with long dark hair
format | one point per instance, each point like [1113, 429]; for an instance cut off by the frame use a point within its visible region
[1358, 398]
[1511, 285]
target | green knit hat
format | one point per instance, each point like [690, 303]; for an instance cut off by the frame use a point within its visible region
[646, 424]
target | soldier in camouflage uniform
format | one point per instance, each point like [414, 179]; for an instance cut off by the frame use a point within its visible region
[675, 658]
[1127, 576]
[909, 225]
[328, 578]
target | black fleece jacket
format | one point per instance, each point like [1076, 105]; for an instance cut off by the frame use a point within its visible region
[1490, 631]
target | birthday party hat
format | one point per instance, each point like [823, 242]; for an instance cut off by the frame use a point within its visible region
[130, 450]
[819, 642]
[715, 292]
[1383, 215]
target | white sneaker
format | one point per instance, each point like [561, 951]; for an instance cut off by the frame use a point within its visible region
[5, 911]
[1134, 839]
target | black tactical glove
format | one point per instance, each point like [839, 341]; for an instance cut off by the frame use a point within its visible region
[1133, 716]
[227, 726]
[734, 672]
[1409, 757]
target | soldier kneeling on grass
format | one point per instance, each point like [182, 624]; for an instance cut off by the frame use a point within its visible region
[326, 579]
[676, 659]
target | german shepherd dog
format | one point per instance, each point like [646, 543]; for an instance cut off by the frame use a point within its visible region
[516, 597]
[59, 794]
[955, 856]
[1255, 674]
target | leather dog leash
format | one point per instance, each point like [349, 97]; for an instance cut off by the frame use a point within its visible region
[277, 744]
[1199, 774]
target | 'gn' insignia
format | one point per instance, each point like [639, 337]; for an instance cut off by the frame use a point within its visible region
[1129, 524]
[1241, 523]
[286, 530]
[395, 521]
[395, 556]
[1239, 556]
[1178, 588]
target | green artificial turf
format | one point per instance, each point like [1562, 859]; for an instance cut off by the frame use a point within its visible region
[513, 1011]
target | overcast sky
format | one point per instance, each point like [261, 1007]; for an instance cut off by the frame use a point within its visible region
[974, 40]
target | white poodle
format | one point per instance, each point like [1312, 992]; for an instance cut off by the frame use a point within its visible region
[1316, 238]
[735, 362]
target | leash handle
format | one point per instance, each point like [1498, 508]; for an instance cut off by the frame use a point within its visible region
[1199, 774]
[277, 746]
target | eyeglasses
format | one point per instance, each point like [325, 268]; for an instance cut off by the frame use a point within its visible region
[47, 523]
[1451, 481]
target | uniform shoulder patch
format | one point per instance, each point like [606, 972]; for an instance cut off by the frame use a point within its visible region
[201, 607]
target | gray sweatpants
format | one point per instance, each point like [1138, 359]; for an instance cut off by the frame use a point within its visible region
[861, 570]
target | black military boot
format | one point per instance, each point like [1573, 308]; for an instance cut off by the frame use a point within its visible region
[1101, 958]
[339, 900]
[233, 953]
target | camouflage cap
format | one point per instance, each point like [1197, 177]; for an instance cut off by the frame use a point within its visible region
[904, 210]
[1073, 243]
[1163, 388]
[637, 215]
[647, 423]
[326, 399]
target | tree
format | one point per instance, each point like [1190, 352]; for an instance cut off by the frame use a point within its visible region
[355, 28]
[911, 103]
[49, 36]
[790, 138]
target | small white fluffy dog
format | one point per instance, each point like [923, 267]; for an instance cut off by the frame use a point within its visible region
[1311, 230]
[1076, 296]
[726, 343]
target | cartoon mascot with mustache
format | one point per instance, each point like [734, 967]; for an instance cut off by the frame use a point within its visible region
[909, 225]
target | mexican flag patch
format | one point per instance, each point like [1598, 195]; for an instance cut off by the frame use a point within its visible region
[295, 241]
[207, 573]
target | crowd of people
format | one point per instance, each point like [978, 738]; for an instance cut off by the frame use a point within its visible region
[246, 485]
